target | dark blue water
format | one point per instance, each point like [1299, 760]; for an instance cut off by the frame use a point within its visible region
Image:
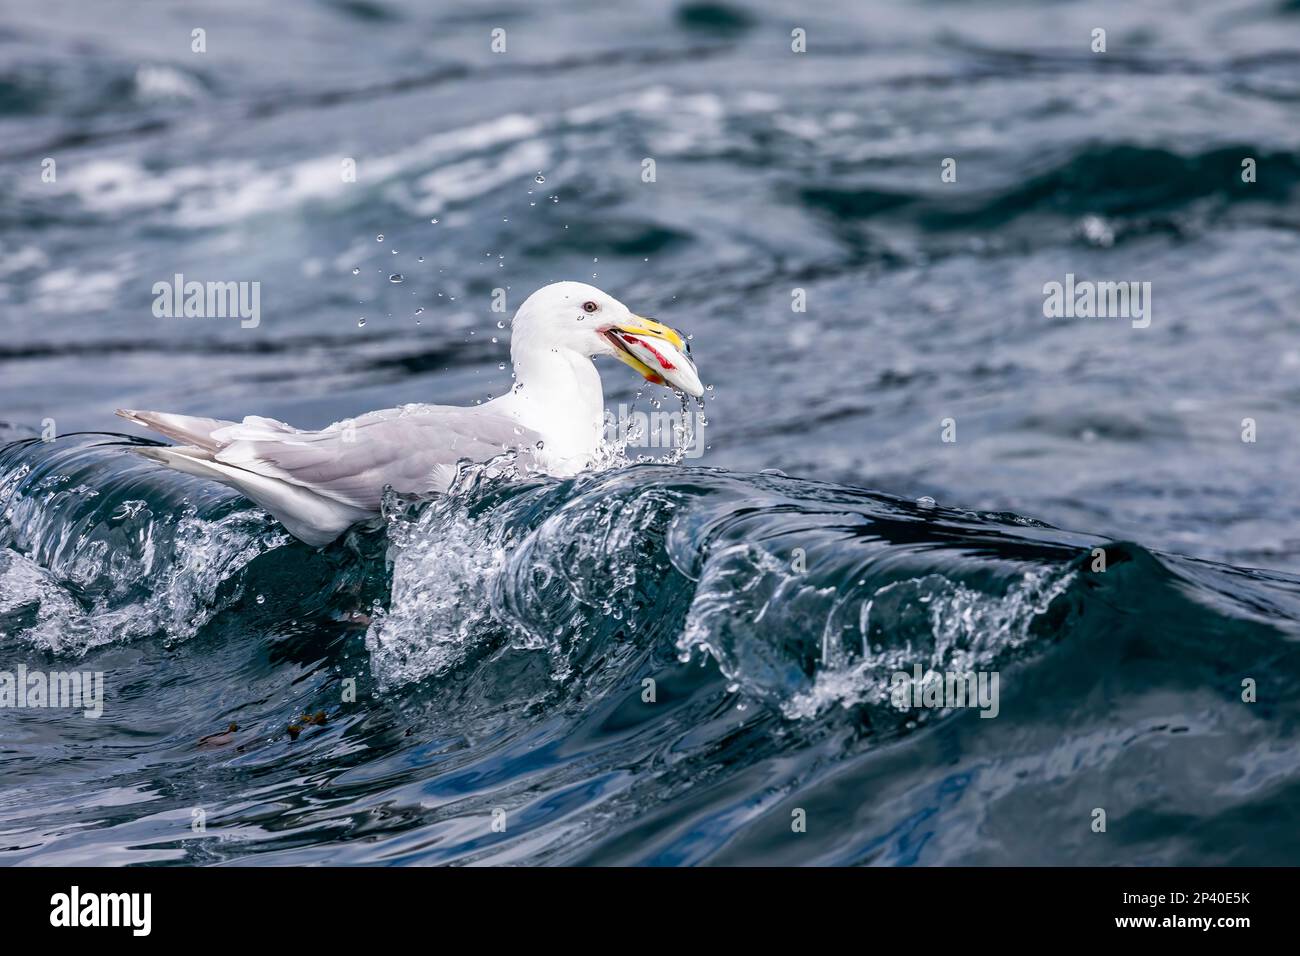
[482, 657]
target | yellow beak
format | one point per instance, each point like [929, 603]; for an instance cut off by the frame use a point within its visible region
[658, 353]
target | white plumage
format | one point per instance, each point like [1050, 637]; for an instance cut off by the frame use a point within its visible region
[319, 483]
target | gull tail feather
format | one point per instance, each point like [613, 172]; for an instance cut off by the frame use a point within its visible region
[182, 428]
[310, 517]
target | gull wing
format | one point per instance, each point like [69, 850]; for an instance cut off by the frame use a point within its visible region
[414, 449]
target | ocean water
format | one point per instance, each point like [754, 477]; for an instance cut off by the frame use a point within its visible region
[482, 663]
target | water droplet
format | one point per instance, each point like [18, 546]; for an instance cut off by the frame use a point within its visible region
[395, 277]
[379, 238]
[434, 221]
[361, 322]
[539, 178]
[261, 599]
[925, 502]
[419, 310]
[356, 272]
[501, 324]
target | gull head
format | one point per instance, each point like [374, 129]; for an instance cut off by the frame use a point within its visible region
[580, 317]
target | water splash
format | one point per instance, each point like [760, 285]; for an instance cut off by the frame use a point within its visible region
[103, 565]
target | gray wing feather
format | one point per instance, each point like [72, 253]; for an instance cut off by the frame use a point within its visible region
[414, 449]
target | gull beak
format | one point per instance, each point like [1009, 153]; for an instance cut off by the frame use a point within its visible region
[658, 353]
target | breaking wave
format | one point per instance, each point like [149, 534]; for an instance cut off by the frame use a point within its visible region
[521, 643]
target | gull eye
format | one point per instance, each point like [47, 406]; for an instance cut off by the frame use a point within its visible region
[589, 307]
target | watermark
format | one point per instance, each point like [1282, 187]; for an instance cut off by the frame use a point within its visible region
[679, 431]
[72, 909]
[208, 300]
[937, 691]
[1098, 300]
[72, 690]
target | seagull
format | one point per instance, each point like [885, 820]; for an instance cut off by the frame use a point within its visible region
[320, 483]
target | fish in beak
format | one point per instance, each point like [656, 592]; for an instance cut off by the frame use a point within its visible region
[660, 354]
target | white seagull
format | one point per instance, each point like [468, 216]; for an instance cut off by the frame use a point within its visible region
[320, 483]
